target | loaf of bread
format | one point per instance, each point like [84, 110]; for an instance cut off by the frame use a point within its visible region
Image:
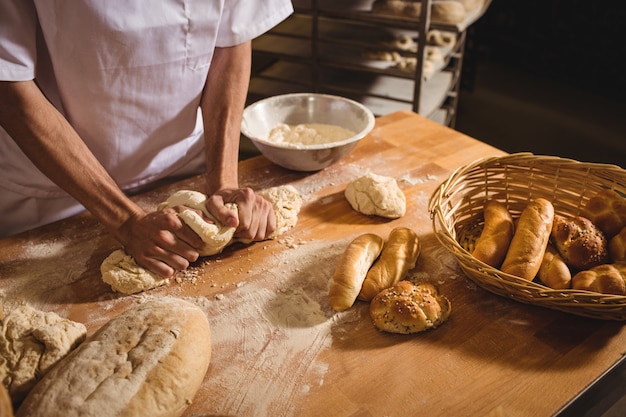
[351, 270]
[148, 361]
[605, 279]
[495, 238]
[579, 242]
[553, 271]
[407, 308]
[607, 210]
[398, 256]
[530, 240]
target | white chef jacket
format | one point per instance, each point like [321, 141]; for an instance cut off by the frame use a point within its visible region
[127, 74]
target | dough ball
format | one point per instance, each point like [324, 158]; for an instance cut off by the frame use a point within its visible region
[377, 195]
[122, 273]
[407, 308]
[32, 342]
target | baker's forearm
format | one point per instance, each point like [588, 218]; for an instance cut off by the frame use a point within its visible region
[49, 141]
[222, 104]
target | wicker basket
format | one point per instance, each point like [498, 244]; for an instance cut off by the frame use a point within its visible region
[456, 212]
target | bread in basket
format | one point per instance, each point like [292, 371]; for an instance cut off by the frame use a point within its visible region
[456, 212]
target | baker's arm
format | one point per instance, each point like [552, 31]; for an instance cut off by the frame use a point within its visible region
[157, 241]
[222, 106]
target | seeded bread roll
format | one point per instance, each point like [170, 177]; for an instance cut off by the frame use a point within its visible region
[406, 308]
[351, 270]
[495, 238]
[147, 361]
[398, 256]
[530, 240]
[617, 246]
[553, 271]
[579, 242]
[605, 279]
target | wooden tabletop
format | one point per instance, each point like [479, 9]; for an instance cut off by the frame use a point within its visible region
[279, 349]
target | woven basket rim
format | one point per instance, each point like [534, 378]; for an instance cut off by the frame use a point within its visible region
[570, 300]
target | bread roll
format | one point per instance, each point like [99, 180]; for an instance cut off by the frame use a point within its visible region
[398, 256]
[495, 238]
[442, 11]
[553, 271]
[607, 210]
[406, 308]
[579, 242]
[617, 246]
[605, 279]
[351, 270]
[530, 240]
[147, 361]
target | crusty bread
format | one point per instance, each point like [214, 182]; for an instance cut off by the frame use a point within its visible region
[553, 271]
[495, 238]
[351, 270]
[617, 246]
[530, 240]
[406, 308]
[398, 256]
[607, 210]
[579, 242]
[147, 361]
[605, 279]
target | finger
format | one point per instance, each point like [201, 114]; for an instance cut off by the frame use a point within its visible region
[217, 207]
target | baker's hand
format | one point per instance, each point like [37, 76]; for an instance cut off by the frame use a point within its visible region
[160, 241]
[256, 220]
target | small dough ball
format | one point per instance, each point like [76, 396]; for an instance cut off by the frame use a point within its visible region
[378, 195]
[32, 342]
[407, 308]
[122, 273]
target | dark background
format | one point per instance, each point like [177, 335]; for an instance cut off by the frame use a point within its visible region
[548, 76]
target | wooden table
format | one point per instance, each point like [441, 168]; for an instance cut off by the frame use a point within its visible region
[278, 348]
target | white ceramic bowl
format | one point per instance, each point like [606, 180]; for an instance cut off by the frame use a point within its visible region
[299, 108]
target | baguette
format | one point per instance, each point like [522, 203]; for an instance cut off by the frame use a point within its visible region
[553, 271]
[398, 256]
[351, 270]
[495, 238]
[530, 240]
[147, 361]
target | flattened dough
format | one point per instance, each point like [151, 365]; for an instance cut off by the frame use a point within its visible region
[377, 195]
[122, 273]
[32, 341]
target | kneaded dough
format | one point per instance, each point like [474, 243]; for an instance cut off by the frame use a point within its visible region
[378, 195]
[286, 202]
[32, 342]
[122, 273]
[215, 236]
